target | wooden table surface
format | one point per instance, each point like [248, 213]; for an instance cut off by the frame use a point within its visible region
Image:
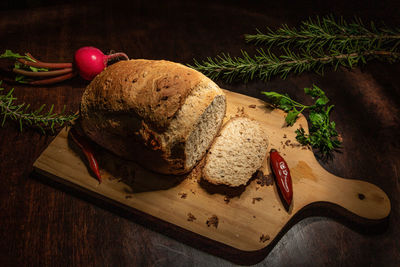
[45, 224]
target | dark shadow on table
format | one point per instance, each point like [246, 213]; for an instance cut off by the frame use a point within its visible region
[137, 178]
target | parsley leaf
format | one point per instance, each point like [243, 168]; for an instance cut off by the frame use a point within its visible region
[323, 135]
[291, 117]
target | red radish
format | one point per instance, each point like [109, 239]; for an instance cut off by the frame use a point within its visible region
[90, 61]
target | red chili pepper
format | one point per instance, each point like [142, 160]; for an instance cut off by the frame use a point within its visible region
[282, 175]
[87, 149]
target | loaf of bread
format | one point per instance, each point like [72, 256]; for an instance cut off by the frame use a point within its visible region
[161, 114]
[236, 153]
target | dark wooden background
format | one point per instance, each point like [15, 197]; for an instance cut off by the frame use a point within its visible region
[44, 224]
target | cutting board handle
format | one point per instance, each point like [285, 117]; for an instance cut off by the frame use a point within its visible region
[359, 197]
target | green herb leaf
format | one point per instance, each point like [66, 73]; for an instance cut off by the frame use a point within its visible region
[285, 104]
[8, 54]
[291, 117]
[281, 101]
[45, 121]
[316, 118]
[321, 101]
[323, 135]
[312, 46]
[22, 78]
[315, 91]
[276, 97]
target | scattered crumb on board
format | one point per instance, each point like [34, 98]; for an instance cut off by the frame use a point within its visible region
[240, 112]
[264, 180]
[256, 199]
[252, 106]
[213, 220]
[191, 217]
[128, 196]
[227, 200]
[183, 195]
[264, 238]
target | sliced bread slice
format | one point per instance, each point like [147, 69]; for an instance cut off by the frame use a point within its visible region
[236, 153]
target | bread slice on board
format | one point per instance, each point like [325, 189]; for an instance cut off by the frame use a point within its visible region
[236, 153]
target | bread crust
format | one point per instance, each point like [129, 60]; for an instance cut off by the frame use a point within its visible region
[130, 105]
[154, 89]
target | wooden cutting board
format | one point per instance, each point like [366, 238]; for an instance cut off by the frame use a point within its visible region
[248, 223]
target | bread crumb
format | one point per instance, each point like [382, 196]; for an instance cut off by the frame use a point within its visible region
[284, 136]
[128, 196]
[256, 199]
[295, 145]
[264, 180]
[240, 112]
[227, 200]
[264, 238]
[252, 106]
[191, 217]
[183, 195]
[213, 220]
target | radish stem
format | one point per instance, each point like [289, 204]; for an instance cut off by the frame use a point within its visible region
[117, 55]
[40, 64]
[43, 73]
[53, 80]
[34, 59]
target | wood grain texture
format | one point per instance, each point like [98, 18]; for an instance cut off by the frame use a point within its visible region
[43, 224]
[244, 220]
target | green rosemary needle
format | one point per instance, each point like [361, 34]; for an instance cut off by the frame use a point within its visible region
[317, 44]
[329, 33]
[45, 121]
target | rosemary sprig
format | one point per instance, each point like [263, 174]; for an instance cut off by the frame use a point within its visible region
[265, 64]
[317, 44]
[45, 121]
[329, 33]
